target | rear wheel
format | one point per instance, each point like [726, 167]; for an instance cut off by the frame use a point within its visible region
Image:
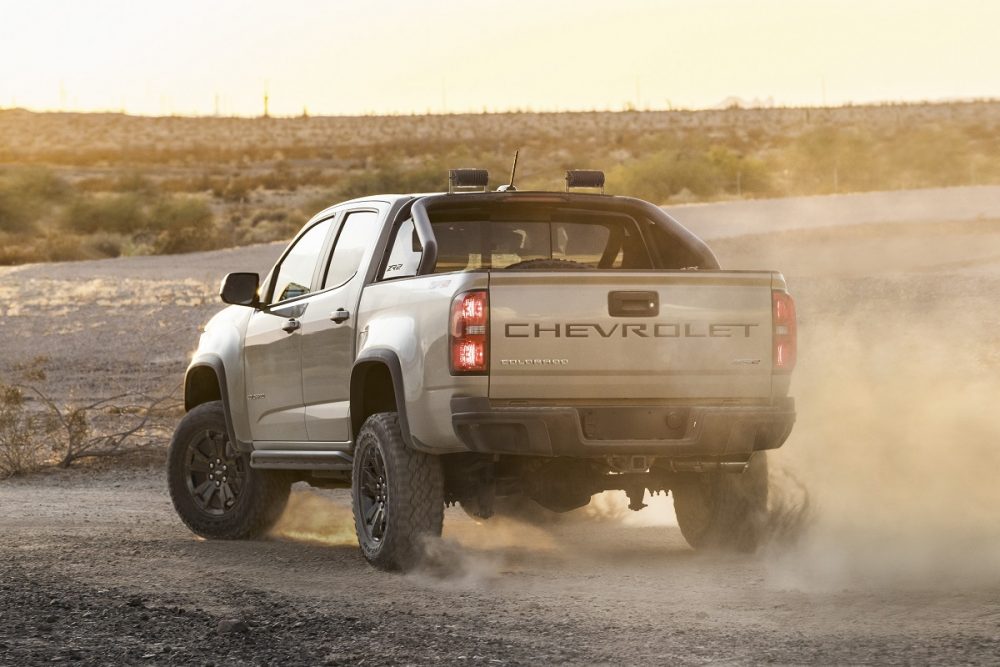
[214, 490]
[724, 510]
[397, 494]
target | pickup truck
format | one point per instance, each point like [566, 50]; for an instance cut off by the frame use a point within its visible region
[471, 347]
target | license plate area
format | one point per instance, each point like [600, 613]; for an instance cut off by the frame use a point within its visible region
[633, 423]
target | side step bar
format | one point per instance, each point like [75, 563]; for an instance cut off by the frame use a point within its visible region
[292, 460]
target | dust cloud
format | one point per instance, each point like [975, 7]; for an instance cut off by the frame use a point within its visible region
[898, 444]
[470, 554]
[315, 517]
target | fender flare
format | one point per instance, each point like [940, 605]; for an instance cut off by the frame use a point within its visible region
[389, 359]
[215, 364]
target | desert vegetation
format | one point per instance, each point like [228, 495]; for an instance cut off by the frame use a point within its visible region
[76, 186]
[38, 430]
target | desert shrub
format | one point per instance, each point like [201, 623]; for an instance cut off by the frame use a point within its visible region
[26, 195]
[179, 212]
[270, 225]
[13, 253]
[232, 189]
[705, 173]
[314, 205]
[128, 181]
[185, 239]
[183, 225]
[65, 248]
[105, 244]
[121, 214]
[16, 211]
[60, 434]
[393, 180]
[22, 447]
[930, 157]
[832, 159]
[40, 184]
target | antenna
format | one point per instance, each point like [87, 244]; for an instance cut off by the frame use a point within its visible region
[513, 171]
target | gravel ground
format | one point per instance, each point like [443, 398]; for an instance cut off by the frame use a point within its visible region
[885, 549]
[95, 568]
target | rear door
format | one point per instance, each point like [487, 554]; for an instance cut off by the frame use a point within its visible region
[630, 335]
[328, 327]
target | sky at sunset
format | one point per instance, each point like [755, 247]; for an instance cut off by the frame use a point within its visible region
[391, 56]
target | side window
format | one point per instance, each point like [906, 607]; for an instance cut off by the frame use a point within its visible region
[356, 236]
[294, 275]
[404, 257]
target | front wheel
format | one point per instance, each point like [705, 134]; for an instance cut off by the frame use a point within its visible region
[724, 510]
[397, 494]
[214, 490]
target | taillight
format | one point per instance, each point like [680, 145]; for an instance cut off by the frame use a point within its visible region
[469, 333]
[783, 316]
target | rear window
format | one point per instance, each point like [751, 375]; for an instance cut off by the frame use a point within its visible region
[612, 242]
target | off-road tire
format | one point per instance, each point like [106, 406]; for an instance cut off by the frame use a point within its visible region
[723, 510]
[547, 265]
[412, 491]
[262, 496]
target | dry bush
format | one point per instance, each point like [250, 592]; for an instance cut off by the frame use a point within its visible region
[183, 225]
[707, 173]
[26, 195]
[16, 215]
[394, 180]
[136, 424]
[122, 214]
[24, 446]
[55, 433]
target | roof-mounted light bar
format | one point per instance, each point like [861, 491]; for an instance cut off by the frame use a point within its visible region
[585, 178]
[468, 180]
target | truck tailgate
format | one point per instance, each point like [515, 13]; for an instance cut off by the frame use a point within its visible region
[630, 335]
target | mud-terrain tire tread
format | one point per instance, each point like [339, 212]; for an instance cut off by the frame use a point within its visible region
[261, 503]
[725, 511]
[416, 495]
[545, 264]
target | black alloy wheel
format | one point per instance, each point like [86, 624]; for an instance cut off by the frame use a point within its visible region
[215, 473]
[397, 495]
[214, 490]
[374, 494]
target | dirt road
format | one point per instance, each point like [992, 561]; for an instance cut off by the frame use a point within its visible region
[97, 568]
[886, 546]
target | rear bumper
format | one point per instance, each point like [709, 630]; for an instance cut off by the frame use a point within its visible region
[675, 431]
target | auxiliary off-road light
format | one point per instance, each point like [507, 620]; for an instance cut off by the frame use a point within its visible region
[785, 334]
[468, 180]
[585, 178]
[469, 333]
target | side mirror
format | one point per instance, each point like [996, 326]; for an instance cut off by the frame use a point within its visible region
[240, 289]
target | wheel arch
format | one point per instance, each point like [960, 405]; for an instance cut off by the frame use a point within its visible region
[206, 381]
[377, 386]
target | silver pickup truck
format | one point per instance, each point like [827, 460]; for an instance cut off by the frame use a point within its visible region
[473, 347]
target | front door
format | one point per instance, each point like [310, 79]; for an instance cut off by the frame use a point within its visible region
[328, 332]
[274, 376]
[273, 346]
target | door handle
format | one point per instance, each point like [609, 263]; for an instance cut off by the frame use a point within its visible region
[340, 316]
[633, 304]
[290, 325]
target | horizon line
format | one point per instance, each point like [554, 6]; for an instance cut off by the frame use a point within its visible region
[627, 108]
